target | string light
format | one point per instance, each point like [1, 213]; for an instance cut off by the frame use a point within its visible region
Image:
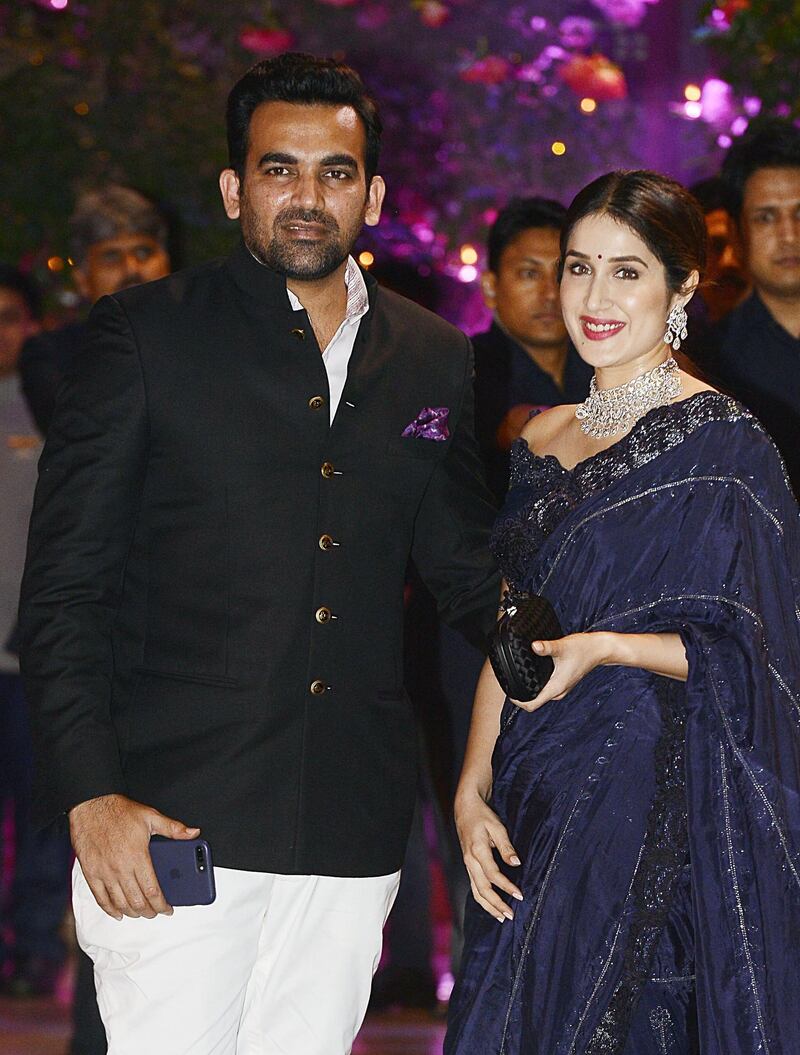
[467, 273]
[558, 148]
[366, 259]
[59, 5]
[469, 254]
[588, 105]
[693, 110]
[55, 263]
[693, 93]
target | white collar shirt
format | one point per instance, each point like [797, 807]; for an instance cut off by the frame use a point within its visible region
[336, 356]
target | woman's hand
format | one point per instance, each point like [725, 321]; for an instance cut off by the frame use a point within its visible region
[574, 657]
[479, 831]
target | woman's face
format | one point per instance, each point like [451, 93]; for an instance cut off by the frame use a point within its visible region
[614, 296]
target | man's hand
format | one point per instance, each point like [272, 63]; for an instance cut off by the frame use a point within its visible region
[111, 838]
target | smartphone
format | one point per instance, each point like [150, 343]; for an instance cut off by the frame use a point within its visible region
[184, 869]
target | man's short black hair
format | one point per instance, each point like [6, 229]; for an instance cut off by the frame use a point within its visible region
[298, 78]
[769, 143]
[521, 214]
[24, 286]
[711, 194]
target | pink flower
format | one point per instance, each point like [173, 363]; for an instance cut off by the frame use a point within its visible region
[267, 42]
[624, 12]
[594, 76]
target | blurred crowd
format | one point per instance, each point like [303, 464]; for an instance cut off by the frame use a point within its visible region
[744, 337]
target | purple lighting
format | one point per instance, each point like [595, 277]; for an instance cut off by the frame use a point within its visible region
[739, 125]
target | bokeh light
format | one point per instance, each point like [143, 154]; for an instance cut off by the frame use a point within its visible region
[692, 92]
[469, 254]
[366, 259]
[55, 263]
[559, 148]
[588, 105]
[467, 273]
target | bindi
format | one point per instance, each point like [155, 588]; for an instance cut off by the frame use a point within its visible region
[599, 256]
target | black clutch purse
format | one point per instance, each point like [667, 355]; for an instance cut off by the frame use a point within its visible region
[521, 673]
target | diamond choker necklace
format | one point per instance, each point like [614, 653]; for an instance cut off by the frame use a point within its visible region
[608, 411]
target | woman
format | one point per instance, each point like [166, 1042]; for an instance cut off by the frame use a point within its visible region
[633, 834]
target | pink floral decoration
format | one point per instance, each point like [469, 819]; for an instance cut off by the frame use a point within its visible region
[491, 70]
[266, 42]
[594, 76]
[624, 12]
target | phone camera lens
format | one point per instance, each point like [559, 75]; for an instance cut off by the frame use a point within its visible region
[200, 858]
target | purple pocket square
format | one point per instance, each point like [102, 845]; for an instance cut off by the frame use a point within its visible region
[430, 424]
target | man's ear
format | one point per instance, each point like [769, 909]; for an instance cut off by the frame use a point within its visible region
[375, 196]
[229, 188]
[489, 289]
[81, 280]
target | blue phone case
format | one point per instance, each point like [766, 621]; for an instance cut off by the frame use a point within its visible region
[184, 869]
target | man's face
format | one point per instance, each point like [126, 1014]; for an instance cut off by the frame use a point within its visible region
[524, 290]
[117, 263]
[724, 273]
[16, 326]
[303, 199]
[770, 230]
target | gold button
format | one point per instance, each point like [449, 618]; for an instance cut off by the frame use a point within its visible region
[325, 542]
[323, 615]
[327, 470]
[317, 687]
[299, 334]
[316, 402]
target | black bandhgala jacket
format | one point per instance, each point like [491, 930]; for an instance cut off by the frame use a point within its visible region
[212, 607]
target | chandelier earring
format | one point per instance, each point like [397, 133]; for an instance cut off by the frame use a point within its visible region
[676, 327]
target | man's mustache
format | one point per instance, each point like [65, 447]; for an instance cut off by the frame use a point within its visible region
[306, 216]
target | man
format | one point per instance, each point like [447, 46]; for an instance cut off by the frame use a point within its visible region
[525, 360]
[241, 464]
[724, 284]
[759, 342]
[118, 238]
[38, 897]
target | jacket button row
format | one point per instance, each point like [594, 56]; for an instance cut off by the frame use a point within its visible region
[323, 615]
[316, 402]
[326, 542]
[327, 470]
[316, 688]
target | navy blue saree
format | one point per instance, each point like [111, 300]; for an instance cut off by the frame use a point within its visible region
[658, 822]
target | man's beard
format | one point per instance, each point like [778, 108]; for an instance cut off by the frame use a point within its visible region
[304, 260]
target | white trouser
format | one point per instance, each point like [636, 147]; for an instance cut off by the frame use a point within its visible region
[277, 964]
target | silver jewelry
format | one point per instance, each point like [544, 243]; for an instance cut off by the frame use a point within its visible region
[676, 327]
[608, 411]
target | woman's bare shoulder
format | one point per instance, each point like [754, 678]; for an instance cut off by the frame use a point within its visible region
[541, 429]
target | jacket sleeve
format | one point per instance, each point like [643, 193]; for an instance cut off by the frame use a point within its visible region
[90, 480]
[452, 528]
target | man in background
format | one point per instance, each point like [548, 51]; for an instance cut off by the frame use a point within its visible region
[32, 916]
[525, 360]
[724, 284]
[758, 343]
[118, 238]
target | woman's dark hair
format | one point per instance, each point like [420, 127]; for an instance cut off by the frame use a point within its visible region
[522, 214]
[662, 212]
[298, 78]
[769, 143]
